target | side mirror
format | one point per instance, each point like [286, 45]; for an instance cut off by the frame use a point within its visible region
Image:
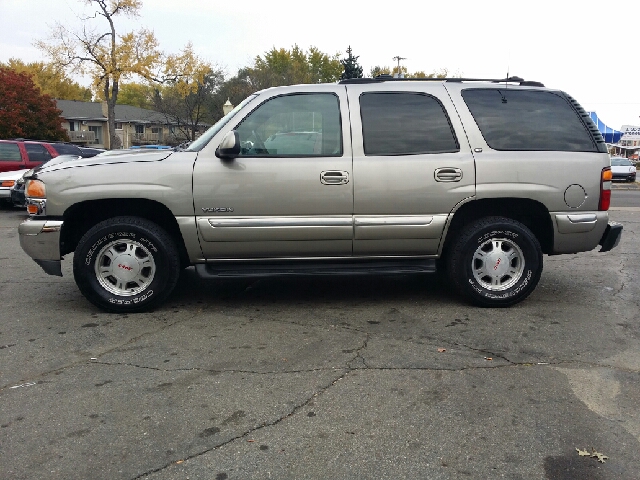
[229, 148]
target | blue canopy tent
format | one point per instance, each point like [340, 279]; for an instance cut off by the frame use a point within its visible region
[610, 135]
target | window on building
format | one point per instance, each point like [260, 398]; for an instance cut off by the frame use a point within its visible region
[98, 131]
[139, 128]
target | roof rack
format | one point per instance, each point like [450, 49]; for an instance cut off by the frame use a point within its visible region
[389, 78]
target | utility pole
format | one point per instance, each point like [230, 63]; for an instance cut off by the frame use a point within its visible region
[398, 58]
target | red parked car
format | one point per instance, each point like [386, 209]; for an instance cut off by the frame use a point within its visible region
[20, 154]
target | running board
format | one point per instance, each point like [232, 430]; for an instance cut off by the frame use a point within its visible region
[352, 267]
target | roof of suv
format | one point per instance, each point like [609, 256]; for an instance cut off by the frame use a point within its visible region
[389, 78]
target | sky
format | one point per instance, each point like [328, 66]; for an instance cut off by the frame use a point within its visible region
[585, 48]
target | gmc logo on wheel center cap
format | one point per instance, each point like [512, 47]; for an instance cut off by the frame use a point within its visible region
[125, 267]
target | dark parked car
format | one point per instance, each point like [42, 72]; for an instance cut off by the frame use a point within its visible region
[87, 152]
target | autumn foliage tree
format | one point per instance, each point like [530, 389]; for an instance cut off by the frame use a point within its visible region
[183, 96]
[98, 50]
[50, 79]
[25, 112]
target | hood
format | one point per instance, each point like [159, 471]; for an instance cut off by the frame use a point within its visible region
[109, 157]
[12, 175]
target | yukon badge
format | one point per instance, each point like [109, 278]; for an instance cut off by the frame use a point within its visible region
[217, 209]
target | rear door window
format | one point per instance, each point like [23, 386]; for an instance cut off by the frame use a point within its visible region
[37, 152]
[527, 120]
[10, 152]
[395, 123]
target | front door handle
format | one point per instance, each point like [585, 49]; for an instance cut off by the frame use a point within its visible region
[448, 174]
[334, 177]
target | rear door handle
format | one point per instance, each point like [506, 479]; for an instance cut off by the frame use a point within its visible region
[448, 174]
[334, 177]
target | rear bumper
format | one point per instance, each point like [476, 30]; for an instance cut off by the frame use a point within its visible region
[611, 237]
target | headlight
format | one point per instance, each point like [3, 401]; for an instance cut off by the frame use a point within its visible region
[36, 194]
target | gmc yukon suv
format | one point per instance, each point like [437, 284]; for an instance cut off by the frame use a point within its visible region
[478, 178]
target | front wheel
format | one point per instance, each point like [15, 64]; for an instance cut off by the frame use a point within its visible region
[495, 262]
[126, 264]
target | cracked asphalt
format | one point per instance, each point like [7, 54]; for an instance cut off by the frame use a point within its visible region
[294, 378]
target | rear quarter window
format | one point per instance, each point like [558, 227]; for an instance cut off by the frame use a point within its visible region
[527, 120]
[10, 152]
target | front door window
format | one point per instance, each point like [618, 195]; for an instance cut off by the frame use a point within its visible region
[293, 125]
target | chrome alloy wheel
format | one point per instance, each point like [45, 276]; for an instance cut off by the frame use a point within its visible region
[497, 264]
[125, 267]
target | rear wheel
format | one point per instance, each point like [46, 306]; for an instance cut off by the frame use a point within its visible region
[126, 264]
[495, 262]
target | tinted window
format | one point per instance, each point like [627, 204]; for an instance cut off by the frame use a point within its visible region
[527, 120]
[621, 162]
[65, 149]
[405, 123]
[37, 152]
[10, 152]
[293, 125]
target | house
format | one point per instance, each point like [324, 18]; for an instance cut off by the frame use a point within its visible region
[86, 124]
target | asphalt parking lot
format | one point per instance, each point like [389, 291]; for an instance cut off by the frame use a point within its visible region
[374, 377]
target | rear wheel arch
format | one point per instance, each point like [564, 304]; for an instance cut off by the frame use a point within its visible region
[531, 213]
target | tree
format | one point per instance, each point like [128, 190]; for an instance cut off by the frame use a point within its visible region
[378, 70]
[99, 51]
[287, 67]
[51, 80]
[351, 67]
[136, 94]
[188, 84]
[25, 112]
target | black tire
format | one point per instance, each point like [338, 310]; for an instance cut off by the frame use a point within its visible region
[495, 262]
[126, 264]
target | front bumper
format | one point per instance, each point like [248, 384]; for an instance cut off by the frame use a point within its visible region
[611, 237]
[40, 239]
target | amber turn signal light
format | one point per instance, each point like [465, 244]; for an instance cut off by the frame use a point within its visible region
[36, 189]
[8, 183]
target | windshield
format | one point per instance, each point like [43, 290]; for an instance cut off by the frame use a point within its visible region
[621, 162]
[209, 134]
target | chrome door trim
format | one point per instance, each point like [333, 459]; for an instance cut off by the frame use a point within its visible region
[280, 222]
[381, 220]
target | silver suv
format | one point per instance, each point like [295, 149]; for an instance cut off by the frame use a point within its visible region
[477, 178]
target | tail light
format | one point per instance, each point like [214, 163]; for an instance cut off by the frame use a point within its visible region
[605, 189]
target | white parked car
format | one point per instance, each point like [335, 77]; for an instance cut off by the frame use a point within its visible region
[623, 169]
[7, 181]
